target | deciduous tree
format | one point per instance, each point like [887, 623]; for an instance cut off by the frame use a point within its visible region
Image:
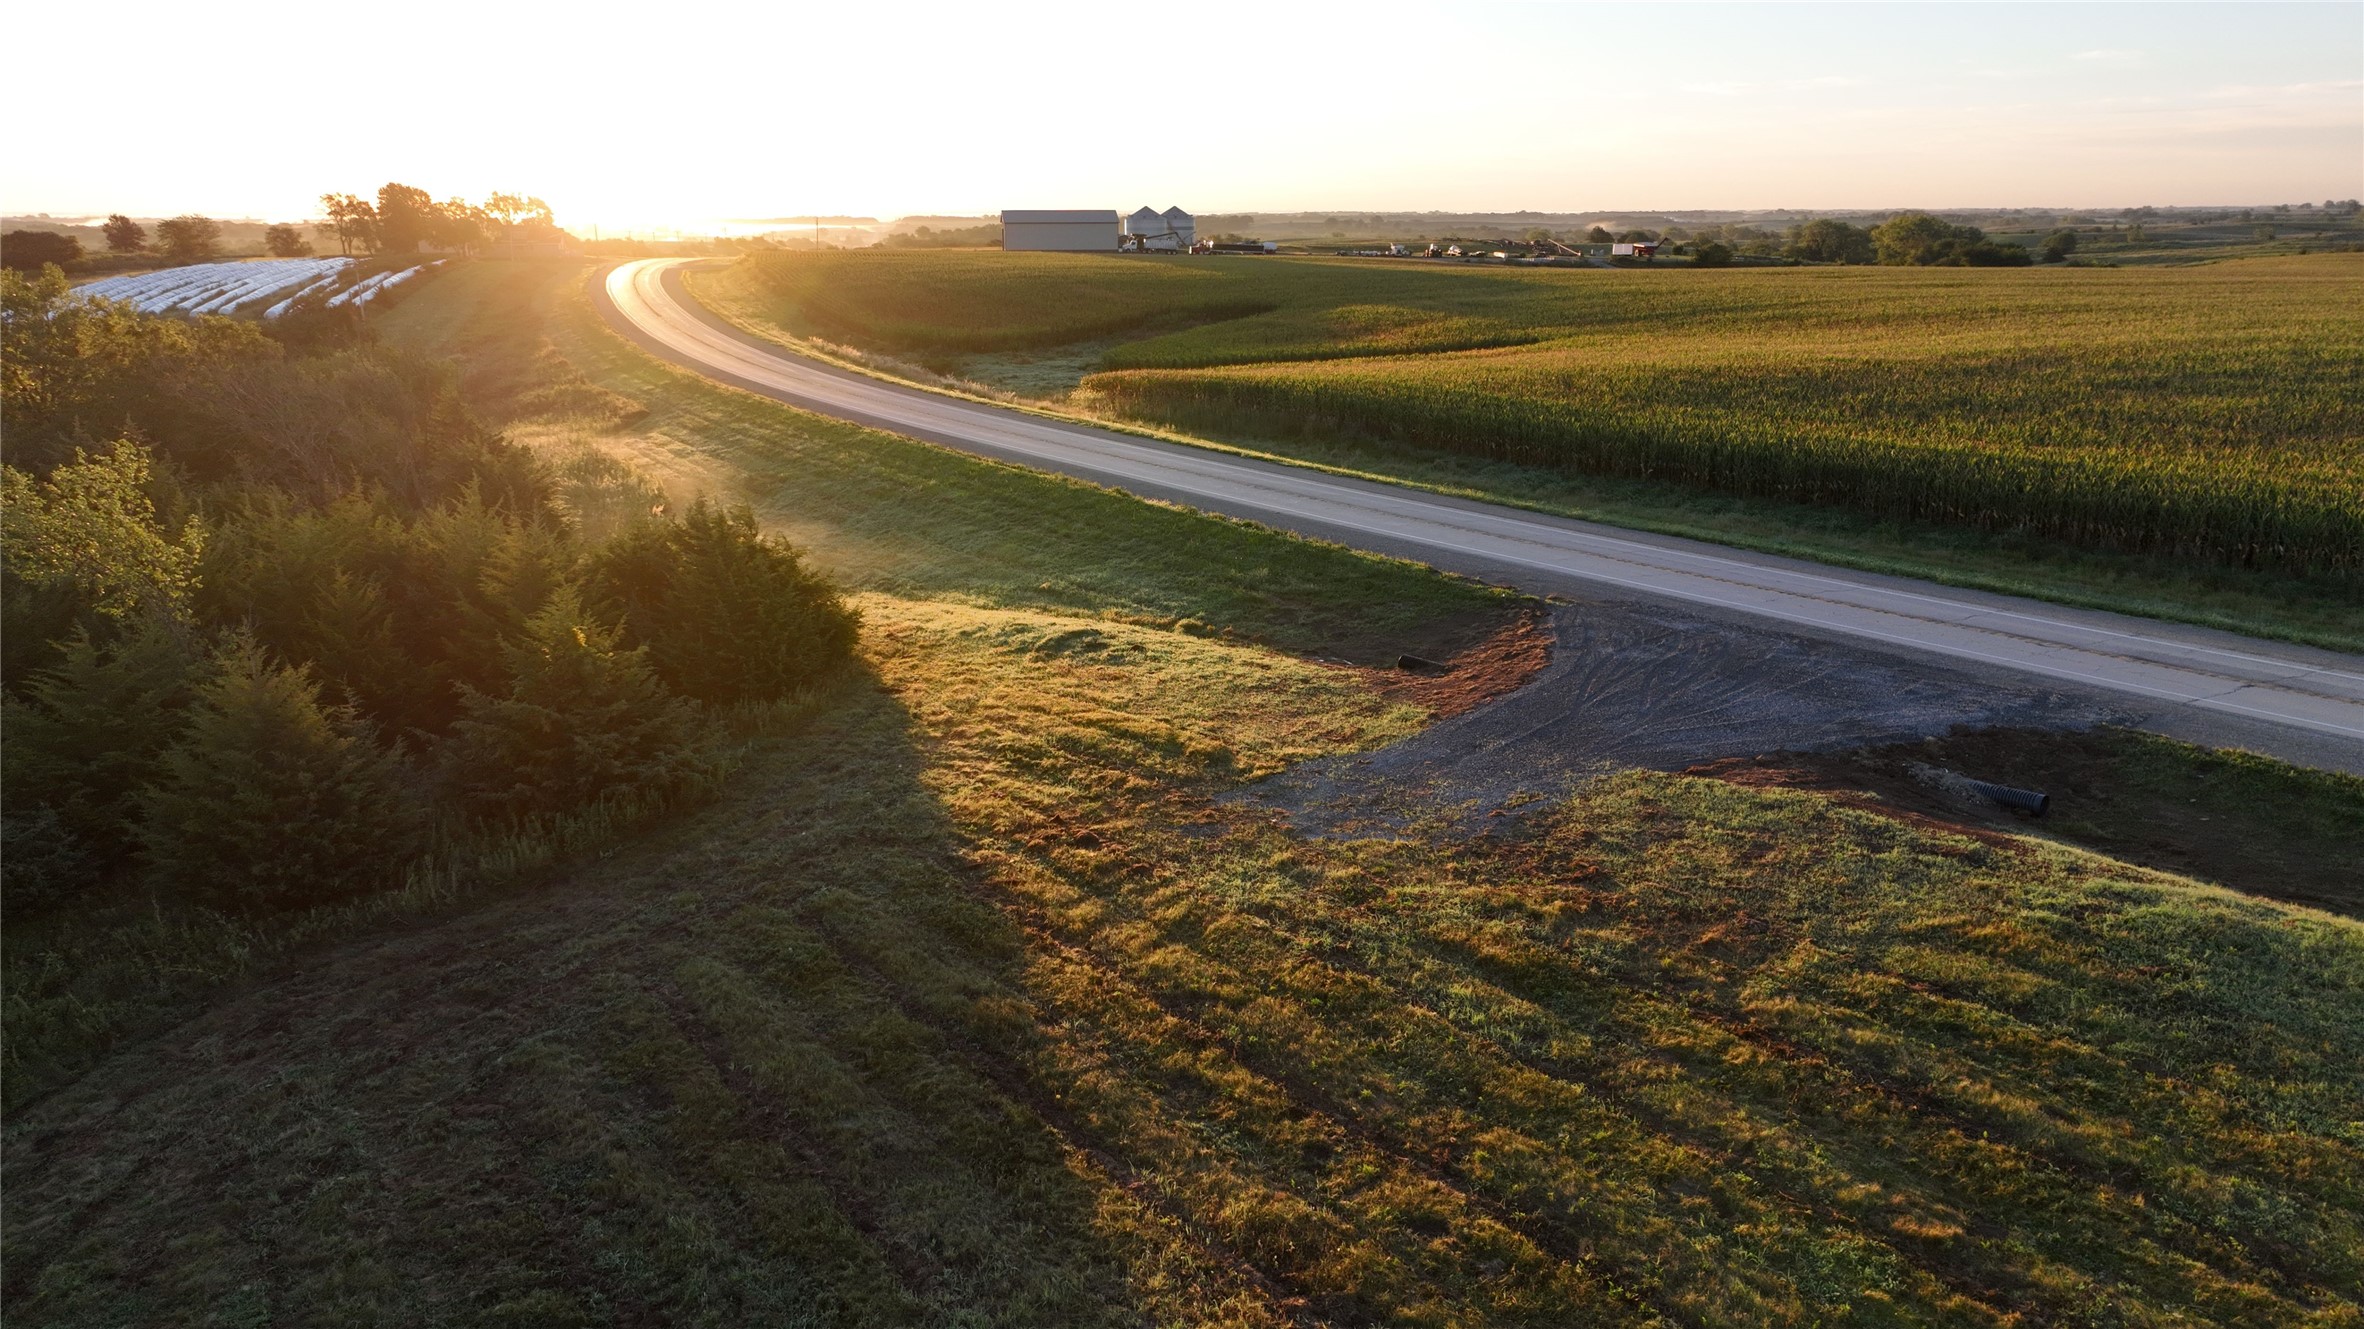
[285, 241]
[91, 525]
[1829, 240]
[459, 224]
[29, 251]
[406, 218]
[1913, 238]
[188, 238]
[353, 220]
[125, 236]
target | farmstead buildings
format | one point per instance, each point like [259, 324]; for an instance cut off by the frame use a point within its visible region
[1083, 230]
[1168, 231]
[1091, 230]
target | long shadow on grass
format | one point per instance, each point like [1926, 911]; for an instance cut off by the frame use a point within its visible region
[752, 1069]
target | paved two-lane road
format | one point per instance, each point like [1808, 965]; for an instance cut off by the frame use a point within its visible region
[2299, 703]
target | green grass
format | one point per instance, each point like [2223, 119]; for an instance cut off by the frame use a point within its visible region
[973, 1005]
[2225, 816]
[975, 1001]
[890, 514]
[2167, 438]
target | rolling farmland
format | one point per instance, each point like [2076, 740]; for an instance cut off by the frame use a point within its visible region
[2212, 414]
[618, 710]
[982, 1000]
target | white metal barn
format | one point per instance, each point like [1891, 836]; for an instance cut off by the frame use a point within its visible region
[1070, 230]
[1148, 228]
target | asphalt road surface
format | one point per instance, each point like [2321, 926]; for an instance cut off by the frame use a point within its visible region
[2298, 703]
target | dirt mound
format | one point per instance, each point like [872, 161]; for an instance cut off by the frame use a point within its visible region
[1494, 667]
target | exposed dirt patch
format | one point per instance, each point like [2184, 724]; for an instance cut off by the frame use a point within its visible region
[2239, 821]
[1495, 666]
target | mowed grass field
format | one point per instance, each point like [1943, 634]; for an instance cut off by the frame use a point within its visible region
[2202, 417]
[975, 1001]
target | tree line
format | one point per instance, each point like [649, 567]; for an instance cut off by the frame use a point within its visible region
[404, 217]
[1908, 239]
[282, 623]
[399, 220]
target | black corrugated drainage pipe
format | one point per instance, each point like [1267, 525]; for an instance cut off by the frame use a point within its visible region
[2028, 801]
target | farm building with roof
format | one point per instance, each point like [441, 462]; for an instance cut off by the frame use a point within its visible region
[1073, 230]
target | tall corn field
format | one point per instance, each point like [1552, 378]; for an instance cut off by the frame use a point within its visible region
[2209, 413]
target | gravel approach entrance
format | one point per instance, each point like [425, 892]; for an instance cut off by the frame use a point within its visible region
[1639, 684]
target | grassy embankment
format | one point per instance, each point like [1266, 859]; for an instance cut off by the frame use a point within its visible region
[2180, 443]
[973, 1004]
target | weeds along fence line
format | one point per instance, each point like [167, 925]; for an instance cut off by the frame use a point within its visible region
[2258, 508]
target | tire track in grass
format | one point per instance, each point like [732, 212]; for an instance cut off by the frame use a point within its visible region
[1001, 1070]
[1644, 1120]
[1625, 1088]
[1046, 933]
[1586, 1265]
[2174, 1236]
[1441, 1160]
[1602, 1081]
[2178, 1229]
[1403, 1148]
[918, 1278]
[1006, 1160]
[661, 1011]
[1691, 1136]
[1384, 1167]
[586, 1261]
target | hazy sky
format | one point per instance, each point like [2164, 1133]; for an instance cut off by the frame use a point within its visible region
[650, 114]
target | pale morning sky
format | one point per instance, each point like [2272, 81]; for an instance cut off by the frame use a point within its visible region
[655, 114]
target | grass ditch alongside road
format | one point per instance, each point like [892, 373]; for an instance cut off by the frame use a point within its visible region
[890, 514]
[2147, 410]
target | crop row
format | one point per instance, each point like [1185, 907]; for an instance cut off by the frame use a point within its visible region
[2250, 508]
[2236, 440]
